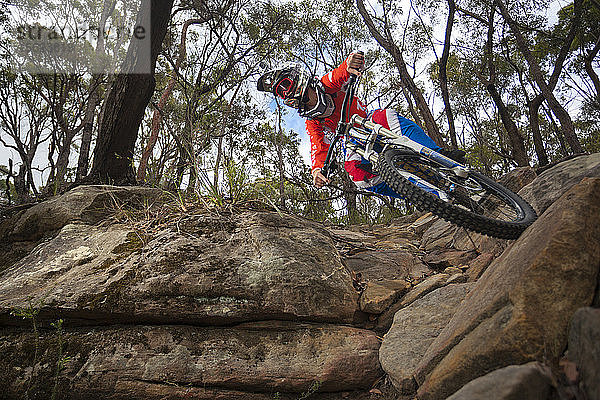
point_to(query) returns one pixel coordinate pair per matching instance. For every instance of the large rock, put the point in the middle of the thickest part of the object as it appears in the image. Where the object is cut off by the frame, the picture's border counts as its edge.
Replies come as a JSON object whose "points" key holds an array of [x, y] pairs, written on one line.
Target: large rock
{"points": [[584, 349], [131, 361], [554, 182], [385, 320], [387, 264], [532, 381], [414, 329], [22, 232], [137, 299], [520, 308], [205, 270], [518, 178], [378, 296], [87, 204], [440, 259]]}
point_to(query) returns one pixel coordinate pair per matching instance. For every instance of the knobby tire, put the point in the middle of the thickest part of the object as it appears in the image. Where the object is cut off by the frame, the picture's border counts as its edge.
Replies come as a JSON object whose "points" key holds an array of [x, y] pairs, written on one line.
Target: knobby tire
{"points": [[426, 201]]}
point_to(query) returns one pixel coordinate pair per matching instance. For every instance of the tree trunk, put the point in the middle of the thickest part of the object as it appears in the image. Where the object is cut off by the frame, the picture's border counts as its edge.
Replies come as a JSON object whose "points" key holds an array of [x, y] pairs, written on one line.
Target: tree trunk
{"points": [[62, 163], [444, 74], [564, 150], [218, 165], [411, 108], [9, 175], [349, 189], [590, 70], [537, 74], [64, 151], [534, 122], [62, 124], [22, 194], [86, 134], [429, 121], [519, 153], [127, 98], [108, 7], [280, 164]]}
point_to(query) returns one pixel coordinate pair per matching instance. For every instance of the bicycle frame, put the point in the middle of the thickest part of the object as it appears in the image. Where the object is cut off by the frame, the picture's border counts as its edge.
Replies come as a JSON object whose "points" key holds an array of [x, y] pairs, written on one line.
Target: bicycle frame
{"points": [[372, 134]]}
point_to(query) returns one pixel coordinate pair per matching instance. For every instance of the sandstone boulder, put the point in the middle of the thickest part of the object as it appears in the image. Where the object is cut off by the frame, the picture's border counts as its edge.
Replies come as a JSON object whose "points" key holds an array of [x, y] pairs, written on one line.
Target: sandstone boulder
{"points": [[379, 295], [137, 303], [265, 358], [414, 329], [551, 184], [87, 204], [532, 381], [387, 264], [478, 265], [385, 320], [520, 308], [22, 232], [440, 259], [518, 178], [584, 349], [206, 270]]}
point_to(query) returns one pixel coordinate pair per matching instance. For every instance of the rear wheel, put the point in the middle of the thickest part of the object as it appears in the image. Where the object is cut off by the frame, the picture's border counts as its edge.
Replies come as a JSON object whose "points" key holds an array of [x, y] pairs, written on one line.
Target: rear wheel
{"points": [[475, 202]]}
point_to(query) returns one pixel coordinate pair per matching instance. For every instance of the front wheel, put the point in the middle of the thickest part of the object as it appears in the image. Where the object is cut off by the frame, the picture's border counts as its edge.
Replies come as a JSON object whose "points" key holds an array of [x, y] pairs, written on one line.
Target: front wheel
{"points": [[475, 202]]}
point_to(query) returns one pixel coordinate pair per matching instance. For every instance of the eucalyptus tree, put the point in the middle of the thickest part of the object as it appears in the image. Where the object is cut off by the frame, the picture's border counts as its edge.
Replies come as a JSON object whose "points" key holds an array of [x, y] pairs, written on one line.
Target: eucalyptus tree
{"points": [[582, 63], [226, 43], [383, 26], [63, 47], [274, 153], [24, 121], [427, 19], [127, 97], [164, 98], [94, 95], [552, 46], [536, 71]]}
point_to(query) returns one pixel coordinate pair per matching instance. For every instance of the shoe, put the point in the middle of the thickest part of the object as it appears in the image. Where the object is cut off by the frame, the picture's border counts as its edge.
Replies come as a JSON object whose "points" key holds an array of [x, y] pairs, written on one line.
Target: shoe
{"points": [[454, 154]]}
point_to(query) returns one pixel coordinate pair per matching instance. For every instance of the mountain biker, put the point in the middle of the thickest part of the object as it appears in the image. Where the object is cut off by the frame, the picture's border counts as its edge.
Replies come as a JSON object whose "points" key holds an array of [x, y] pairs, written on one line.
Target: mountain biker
{"points": [[320, 102]]}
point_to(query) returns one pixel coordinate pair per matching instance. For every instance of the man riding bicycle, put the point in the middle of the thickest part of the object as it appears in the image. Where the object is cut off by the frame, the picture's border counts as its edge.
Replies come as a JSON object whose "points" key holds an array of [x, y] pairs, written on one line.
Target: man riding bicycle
{"points": [[320, 102]]}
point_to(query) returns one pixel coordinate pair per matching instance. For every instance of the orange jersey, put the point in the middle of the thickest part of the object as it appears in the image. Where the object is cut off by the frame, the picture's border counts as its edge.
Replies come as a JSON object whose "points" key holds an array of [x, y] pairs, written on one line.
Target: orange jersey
{"points": [[322, 130]]}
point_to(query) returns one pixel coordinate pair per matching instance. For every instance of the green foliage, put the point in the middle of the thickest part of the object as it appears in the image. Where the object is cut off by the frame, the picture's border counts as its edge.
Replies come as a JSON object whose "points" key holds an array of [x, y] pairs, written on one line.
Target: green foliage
{"points": [[4, 194], [588, 29], [590, 133]]}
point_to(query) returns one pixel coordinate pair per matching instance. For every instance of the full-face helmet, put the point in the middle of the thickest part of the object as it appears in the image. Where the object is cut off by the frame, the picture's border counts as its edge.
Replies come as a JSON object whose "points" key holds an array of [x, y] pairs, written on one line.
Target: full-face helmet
{"points": [[291, 84]]}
